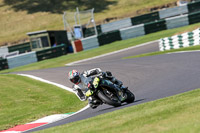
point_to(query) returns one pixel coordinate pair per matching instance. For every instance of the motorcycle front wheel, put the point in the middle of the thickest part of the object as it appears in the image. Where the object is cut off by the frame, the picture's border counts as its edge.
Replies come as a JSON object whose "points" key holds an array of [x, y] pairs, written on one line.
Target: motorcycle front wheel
{"points": [[109, 98], [130, 97]]}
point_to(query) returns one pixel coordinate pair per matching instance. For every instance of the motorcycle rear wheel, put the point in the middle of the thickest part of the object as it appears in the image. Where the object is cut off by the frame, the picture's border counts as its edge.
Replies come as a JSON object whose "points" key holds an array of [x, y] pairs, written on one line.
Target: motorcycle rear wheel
{"points": [[105, 97]]}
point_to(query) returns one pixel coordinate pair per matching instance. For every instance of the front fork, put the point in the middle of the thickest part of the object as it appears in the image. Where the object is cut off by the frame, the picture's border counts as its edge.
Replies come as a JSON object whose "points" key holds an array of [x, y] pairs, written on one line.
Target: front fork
{"points": [[116, 89]]}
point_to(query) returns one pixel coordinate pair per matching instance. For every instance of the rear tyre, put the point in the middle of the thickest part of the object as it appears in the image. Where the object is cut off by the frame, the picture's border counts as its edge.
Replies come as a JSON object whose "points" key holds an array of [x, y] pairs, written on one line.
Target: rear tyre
{"points": [[130, 96], [109, 98]]}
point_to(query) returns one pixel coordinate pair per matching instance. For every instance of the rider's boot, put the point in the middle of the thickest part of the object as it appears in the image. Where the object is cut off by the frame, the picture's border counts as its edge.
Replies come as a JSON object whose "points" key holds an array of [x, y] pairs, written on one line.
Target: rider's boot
{"points": [[93, 102]]}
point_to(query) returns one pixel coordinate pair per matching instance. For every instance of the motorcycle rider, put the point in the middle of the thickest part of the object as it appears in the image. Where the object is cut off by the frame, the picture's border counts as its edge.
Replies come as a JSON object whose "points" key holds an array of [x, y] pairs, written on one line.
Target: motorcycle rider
{"points": [[82, 86]]}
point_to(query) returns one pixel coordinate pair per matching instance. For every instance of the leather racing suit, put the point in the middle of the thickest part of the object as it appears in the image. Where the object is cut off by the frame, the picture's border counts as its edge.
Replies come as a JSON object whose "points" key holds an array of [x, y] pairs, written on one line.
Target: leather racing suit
{"points": [[81, 88]]}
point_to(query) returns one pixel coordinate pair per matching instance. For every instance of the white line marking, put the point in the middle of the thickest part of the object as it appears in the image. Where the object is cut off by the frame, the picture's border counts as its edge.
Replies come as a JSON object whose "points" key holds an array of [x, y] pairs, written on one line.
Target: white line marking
{"points": [[49, 82], [59, 85], [122, 50], [179, 52]]}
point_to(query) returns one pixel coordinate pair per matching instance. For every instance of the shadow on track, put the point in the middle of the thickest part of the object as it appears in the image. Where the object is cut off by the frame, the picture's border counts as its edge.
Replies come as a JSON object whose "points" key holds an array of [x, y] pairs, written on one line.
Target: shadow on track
{"points": [[123, 105]]}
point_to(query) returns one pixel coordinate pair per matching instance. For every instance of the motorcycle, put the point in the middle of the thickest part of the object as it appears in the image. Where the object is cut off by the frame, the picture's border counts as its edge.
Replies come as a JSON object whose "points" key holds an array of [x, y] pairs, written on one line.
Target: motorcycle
{"points": [[104, 91]]}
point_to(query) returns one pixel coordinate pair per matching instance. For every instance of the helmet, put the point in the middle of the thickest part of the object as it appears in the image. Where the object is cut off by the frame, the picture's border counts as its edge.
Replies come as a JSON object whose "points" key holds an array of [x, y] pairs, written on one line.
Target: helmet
{"points": [[74, 76]]}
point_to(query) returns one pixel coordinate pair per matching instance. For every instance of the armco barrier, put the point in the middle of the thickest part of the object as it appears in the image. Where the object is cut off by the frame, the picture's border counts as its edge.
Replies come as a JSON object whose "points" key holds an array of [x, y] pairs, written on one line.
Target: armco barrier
{"points": [[194, 6], [22, 59], [179, 41], [132, 32], [3, 64], [90, 42], [146, 18], [155, 26], [22, 48], [116, 25], [194, 17], [109, 37], [170, 12], [77, 46], [51, 52], [178, 21]]}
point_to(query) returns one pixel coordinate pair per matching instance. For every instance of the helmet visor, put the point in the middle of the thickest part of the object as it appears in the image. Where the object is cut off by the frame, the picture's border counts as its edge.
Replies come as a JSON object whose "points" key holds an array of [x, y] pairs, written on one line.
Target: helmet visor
{"points": [[75, 80]]}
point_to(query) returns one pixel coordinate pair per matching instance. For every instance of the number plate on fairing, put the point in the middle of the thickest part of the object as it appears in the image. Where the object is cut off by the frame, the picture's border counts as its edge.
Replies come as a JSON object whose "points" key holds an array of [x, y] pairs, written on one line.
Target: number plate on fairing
{"points": [[96, 82]]}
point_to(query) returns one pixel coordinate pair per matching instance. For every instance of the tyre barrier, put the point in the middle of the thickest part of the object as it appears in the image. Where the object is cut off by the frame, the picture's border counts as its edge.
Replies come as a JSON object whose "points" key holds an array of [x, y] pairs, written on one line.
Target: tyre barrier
{"points": [[175, 11], [132, 32], [179, 41], [32, 57], [176, 22], [90, 43], [22, 59], [121, 30], [3, 51], [116, 25]]}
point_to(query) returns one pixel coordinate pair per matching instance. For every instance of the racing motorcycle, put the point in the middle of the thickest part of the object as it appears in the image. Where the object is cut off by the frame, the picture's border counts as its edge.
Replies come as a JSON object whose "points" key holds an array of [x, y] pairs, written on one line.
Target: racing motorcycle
{"points": [[104, 91]]}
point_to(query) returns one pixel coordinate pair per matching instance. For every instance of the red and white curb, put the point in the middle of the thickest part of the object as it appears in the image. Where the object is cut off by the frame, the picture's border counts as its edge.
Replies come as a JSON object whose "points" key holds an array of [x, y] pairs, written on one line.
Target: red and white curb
{"points": [[37, 123], [46, 120]]}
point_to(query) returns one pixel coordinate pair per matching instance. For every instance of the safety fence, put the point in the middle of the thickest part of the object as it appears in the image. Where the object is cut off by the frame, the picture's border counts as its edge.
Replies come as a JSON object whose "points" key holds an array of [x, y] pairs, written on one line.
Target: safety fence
{"points": [[90, 43], [179, 41], [175, 11], [31, 57], [141, 25], [51, 52], [3, 64], [116, 25], [22, 59], [109, 37], [118, 30], [164, 14], [177, 21], [132, 32], [3, 51]]}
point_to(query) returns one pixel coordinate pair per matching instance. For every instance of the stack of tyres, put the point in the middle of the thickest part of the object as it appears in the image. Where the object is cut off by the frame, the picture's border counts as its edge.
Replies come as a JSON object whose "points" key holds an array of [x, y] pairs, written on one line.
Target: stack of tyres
{"points": [[51, 52], [22, 48], [109, 37], [155, 26], [145, 18], [194, 17], [3, 64], [194, 6]]}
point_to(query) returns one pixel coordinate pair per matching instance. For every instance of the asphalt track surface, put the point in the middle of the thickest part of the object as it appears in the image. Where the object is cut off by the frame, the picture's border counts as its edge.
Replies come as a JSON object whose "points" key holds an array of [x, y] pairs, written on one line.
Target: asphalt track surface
{"points": [[149, 78]]}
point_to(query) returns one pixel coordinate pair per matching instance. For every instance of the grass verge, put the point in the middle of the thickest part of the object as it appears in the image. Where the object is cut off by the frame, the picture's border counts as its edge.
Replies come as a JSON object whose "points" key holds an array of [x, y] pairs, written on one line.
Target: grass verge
{"points": [[192, 48], [175, 114], [61, 61], [23, 100], [20, 17]]}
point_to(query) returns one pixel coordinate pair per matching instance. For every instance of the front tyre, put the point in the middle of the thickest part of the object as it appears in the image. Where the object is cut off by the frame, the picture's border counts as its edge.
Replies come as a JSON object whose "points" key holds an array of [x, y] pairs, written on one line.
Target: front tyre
{"points": [[130, 96], [109, 98]]}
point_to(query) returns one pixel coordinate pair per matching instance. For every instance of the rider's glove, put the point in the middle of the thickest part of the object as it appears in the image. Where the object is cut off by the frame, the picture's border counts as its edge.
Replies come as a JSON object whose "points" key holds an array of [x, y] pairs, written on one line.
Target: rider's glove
{"points": [[104, 75]]}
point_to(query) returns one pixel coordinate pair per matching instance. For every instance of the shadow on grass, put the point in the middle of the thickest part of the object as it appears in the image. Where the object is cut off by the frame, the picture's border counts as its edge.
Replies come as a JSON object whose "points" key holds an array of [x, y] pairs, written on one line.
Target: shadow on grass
{"points": [[57, 6]]}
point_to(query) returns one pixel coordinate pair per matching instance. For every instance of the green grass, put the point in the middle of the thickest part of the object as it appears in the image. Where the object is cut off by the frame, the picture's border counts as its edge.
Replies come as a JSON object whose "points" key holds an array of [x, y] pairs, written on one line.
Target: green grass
{"points": [[61, 61], [24, 100], [20, 17], [175, 114], [191, 48]]}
